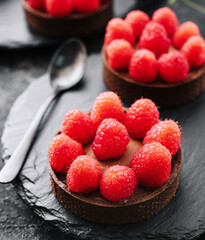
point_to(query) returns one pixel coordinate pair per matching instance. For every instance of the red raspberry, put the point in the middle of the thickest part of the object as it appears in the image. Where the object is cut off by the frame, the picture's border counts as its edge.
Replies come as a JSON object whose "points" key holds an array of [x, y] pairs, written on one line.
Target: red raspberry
{"points": [[143, 66], [118, 183], [84, 6], [107, 105], [37, 4], [137, 19], [152, 165], [166, 17], [194, 51], [119, 53], [140, 117], [79, 126], [167, 133], [173, 67], [63, 151], [111, 140], [184, 32], [154, 38], [59, 8], [119, 29], [83, 175]]}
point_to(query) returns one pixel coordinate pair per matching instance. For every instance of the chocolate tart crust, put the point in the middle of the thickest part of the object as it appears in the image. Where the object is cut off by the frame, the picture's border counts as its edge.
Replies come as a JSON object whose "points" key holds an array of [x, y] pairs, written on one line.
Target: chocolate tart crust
{"points": [[163, 94], [95, 208], [74, 24]]}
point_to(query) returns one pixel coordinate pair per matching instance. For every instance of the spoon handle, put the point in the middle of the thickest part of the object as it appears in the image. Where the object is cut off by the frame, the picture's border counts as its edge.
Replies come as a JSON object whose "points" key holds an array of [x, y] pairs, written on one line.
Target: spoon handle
{"points": [[14, 164]]}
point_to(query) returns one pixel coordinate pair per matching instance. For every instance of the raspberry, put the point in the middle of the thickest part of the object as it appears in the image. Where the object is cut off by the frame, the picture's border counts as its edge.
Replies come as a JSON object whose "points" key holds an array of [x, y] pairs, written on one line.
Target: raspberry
{"points": [[119, 29], [79, 126], [184, 32], [84, 6], [137, 19], [166, 17], [194, 51], [63, 151], [118, 183], [111, 140], [154, 38], [59, 8], [152, 165], [143, 66], [107, 105], [173, 67], [167, 133], [140, 117], [37, 4], [83, 175], [119, 53]]}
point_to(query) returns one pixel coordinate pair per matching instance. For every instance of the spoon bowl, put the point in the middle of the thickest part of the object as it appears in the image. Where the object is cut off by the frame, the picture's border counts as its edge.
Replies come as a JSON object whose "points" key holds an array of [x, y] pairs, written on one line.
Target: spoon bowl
{"points": [[67, 66]]}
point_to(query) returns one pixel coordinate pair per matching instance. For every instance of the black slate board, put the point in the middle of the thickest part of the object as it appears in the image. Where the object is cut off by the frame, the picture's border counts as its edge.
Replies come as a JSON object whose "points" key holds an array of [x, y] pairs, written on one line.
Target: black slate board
{"points": [[183, 218], [15, 33]]}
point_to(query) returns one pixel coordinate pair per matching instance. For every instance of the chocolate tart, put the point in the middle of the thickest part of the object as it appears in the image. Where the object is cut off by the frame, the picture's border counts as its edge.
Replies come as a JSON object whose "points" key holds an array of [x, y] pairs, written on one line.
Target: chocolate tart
{"points": [[74, 24], [163, 94], [95, 208]]}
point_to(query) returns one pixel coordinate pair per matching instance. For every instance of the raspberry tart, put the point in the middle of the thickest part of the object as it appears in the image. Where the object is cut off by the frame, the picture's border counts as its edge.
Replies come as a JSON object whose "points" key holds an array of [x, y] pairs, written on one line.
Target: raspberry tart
{"points": [[155, 58], [67, 18], [121, 170]]}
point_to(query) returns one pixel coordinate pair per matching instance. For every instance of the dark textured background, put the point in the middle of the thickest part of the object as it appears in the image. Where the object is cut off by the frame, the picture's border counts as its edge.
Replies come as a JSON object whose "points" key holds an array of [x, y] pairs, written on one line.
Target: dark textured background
{"points": [[17, 70]]}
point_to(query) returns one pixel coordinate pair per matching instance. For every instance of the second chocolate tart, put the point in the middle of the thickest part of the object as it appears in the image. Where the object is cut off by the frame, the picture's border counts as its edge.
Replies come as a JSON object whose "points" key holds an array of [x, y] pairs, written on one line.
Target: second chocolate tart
{"points": [[163, 94]]}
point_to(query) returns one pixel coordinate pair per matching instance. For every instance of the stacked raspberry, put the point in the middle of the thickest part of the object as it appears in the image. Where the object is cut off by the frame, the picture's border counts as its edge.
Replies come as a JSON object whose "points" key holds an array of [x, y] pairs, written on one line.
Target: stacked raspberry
{"points": [[60, 8], [143, 46], [108, 131]]}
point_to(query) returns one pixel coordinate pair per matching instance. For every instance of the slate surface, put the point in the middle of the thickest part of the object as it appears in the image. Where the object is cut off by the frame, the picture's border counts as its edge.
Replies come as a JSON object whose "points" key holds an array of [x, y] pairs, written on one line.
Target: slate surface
{"points": [[183, 218]]}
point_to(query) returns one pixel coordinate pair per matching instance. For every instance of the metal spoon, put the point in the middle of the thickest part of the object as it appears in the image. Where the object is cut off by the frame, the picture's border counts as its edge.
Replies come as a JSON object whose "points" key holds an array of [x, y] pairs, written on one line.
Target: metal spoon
{"points": [[66, 69]]}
